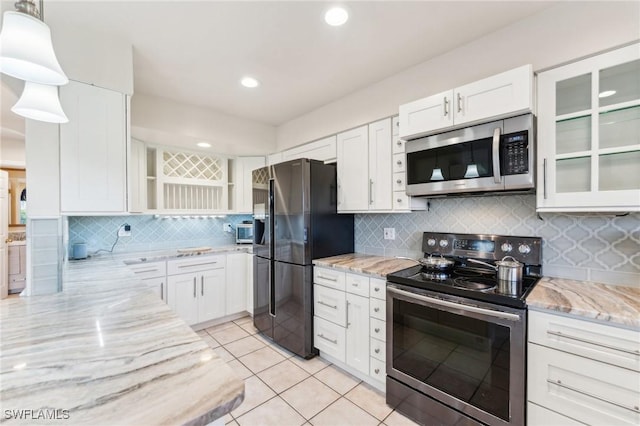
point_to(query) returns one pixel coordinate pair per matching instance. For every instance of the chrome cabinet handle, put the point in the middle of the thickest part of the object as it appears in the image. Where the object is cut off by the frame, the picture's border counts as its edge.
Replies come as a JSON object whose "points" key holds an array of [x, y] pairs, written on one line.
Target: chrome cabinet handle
{"points": [[142, 271], [399, 162], [202, 286], [320, 302], [377, 350], [591, 342], [327, 278], [376, 309], [399, 143], [334, 341], [377, 330], [162, 291], [446, 103], [399, 200], [399, 182], [544, 178], [558, 382], [376, 289], [459, 103], [497, 178], [377, 371], [348, 323], [370, 191], [197, 264], [194, 287]]}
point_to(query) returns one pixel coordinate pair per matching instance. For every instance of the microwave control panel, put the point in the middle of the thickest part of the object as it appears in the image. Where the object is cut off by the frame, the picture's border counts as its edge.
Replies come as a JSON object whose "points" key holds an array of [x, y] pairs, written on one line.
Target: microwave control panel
{"points": [[515, 153]]}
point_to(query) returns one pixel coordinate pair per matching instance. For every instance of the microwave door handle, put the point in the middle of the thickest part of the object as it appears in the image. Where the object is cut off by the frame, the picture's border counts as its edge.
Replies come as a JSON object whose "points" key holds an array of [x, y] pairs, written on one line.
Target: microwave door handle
{"points": [[497, 178]]}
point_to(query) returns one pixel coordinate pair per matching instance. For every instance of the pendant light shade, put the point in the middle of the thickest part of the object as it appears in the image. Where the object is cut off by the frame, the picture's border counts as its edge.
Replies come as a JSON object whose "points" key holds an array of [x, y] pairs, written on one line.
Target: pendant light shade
{"points": [[26, 51], [437, 174], [472, 171], [40, 102]]}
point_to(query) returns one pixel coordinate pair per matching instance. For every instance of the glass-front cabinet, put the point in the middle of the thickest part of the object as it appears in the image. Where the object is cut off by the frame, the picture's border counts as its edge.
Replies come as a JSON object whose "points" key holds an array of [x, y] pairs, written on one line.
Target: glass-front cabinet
{"points": [[589, 134]]}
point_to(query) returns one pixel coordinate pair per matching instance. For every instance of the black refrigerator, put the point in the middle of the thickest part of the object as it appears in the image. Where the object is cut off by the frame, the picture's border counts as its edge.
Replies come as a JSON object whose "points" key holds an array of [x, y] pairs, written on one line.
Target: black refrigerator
{"points": [[295, 221]]}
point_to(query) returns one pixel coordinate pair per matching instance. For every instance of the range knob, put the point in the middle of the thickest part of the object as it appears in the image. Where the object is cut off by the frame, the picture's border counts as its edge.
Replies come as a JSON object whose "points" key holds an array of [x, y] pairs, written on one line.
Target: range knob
{"points": [[444, 243], [506, 247], [524, 248], [431, 242]]}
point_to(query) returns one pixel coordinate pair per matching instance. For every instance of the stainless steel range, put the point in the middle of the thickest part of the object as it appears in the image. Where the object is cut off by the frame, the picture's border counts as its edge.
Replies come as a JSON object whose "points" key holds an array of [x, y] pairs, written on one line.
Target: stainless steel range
{"points": [[456, 335]]}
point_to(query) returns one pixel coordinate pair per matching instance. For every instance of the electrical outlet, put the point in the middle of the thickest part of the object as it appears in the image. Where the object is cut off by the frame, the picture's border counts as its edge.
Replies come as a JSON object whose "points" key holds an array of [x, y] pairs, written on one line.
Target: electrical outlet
{"points": [[124, 231], [226, 227], [389, 233]]}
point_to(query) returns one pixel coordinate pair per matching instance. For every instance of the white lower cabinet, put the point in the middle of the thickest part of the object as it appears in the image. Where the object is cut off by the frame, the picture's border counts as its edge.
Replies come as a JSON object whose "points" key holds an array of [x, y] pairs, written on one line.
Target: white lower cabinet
{"points": [[198, 297], [582, 371], [153, 275], [349, 322]]}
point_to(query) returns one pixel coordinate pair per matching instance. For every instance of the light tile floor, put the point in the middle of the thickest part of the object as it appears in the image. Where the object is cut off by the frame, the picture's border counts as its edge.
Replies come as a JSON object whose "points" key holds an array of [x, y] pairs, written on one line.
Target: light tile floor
{"points": [[282, 389]]}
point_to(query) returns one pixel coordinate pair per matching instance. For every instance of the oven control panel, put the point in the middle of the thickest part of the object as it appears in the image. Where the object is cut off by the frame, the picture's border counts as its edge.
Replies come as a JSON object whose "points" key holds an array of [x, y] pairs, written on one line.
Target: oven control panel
{"points": [[527, 250]]}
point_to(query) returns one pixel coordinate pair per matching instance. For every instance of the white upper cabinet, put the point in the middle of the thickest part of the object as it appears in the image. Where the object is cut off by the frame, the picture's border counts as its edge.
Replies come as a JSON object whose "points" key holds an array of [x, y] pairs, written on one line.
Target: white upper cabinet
{"points": [[243, 188], [501, 95], [353, 173], [138, 177], [93, 147], [380, 165], [322, 150], [589, 134]]}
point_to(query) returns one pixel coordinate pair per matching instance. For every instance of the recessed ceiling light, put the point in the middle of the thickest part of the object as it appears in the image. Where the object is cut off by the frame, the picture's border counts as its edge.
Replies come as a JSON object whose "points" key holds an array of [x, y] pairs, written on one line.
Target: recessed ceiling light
{"points": [[336, 16], [607, 93], [204, 145], [249, 82]]}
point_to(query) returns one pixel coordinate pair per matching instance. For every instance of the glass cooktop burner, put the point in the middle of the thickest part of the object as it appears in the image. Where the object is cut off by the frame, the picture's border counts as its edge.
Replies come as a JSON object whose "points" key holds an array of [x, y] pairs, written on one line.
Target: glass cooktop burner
{"points": [[436, 276], [473, 284]]}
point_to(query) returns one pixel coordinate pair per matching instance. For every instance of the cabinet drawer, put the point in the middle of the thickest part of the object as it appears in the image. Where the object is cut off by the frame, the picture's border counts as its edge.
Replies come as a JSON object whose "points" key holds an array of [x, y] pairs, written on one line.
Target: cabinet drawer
{"points": [[377, 329], [378, 309], [329, 338], [583, 389], [377, 288], [540, 416], [330, 304], [377, 369], [398, 145], [357, 284], [601, 342], [400, 200], [329, 277], [399, 180], [195, 264], [398, 163], [149, 270], [378, 349]]}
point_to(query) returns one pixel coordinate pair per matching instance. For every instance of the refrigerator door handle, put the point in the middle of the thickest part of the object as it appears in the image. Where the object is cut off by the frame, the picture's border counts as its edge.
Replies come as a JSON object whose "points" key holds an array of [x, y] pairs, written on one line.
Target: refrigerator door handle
{"points": [[306, 233], [272, 312]]}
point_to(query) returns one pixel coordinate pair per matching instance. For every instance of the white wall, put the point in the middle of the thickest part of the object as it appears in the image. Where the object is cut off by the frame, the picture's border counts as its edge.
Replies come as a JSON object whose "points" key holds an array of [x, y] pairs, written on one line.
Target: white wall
{"points": [[12, 153], [165, 122], [559, 34], [92, 57]]}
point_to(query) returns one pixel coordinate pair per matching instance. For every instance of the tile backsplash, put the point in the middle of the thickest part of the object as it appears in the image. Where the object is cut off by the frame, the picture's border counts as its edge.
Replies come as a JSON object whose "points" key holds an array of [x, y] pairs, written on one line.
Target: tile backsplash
{"points": [[149, 232], [592, 247]]}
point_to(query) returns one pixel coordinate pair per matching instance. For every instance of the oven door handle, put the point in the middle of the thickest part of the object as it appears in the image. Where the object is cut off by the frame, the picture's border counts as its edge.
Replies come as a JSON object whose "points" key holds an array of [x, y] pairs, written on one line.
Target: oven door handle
{"points": [[463, 307], [497, 176]]}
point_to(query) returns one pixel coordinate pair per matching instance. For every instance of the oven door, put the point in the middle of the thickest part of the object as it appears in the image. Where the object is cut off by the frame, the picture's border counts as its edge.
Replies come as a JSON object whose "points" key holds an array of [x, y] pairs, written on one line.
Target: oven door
{"points": [[467, 355]]}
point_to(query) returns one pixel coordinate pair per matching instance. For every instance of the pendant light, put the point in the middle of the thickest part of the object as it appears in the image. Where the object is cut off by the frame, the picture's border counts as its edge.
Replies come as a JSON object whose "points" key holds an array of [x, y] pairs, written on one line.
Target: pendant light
{"points": [[40, 102], [26, 50]]}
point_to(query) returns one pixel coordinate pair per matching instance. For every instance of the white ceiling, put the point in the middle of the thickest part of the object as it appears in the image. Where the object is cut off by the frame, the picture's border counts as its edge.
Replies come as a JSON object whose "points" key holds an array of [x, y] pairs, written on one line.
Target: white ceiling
{"points": [[195, 52]]}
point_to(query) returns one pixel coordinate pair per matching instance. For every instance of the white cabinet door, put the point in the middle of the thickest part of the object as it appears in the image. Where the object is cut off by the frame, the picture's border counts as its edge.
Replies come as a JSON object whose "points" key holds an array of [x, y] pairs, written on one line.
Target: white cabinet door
{"points": [[183, 296], [507, 93], [353, 173], [138, 177], [588, 143], [236, 287], [357, 332], [211, 296], [329, 304], [158, 286], [93, 149], [380, 174], [322, 150], [426, 115], [249, 283], [243, 184]]}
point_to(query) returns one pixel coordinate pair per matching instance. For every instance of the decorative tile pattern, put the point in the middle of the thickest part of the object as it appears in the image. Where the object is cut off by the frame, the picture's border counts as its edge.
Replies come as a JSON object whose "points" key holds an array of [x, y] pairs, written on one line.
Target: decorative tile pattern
{"points": [[151, 233], [574, 245]]}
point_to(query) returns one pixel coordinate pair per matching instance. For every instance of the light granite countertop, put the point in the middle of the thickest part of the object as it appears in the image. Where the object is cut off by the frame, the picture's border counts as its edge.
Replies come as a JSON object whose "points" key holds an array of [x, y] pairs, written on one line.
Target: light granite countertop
{"points": [[110, 352], [617, 305], [365, 263]]}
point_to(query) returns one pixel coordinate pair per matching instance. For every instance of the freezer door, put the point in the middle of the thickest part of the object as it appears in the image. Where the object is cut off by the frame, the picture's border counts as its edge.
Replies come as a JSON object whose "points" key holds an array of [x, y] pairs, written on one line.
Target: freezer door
{"points": [[262, 211], [262, 318], [291, 212], [293, 327]]}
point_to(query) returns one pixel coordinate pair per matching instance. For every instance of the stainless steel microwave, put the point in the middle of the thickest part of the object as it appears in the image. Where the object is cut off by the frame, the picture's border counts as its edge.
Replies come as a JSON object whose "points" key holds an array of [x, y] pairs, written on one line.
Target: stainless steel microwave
{"points": [[491, 157], [244, 233]]}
